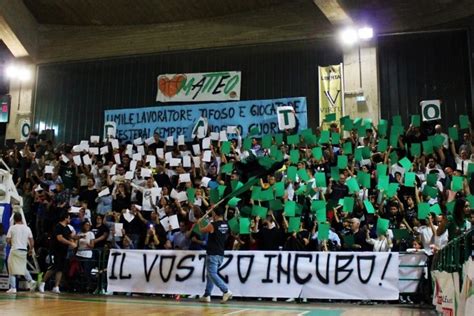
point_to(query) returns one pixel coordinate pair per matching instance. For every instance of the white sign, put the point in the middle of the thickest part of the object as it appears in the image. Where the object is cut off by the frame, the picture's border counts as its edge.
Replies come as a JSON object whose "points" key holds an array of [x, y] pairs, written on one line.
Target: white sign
{"points": [[431, 110], [197, 87], [286, 117], [25, 127], [110, 129], [324, 275]]}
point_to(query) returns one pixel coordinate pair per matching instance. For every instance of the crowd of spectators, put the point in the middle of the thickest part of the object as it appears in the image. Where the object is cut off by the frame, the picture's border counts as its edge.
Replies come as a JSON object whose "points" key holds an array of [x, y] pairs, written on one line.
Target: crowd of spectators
{"points": [[350, 187]]}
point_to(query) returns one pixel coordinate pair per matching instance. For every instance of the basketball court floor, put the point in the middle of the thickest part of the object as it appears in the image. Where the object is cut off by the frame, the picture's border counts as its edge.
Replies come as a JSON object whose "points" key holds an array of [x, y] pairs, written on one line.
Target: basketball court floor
{"points": [[25, 303]]}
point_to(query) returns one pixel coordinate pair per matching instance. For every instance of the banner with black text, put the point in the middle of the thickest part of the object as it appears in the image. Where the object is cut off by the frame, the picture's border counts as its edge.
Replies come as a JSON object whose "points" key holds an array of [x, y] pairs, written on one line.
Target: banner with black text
{"points": [[324, 275]]}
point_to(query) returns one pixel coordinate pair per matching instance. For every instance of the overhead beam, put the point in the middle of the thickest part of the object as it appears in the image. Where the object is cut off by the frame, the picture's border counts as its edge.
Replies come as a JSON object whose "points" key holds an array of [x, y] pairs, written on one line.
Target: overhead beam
{"points": [[18, 29], [333, 12]]}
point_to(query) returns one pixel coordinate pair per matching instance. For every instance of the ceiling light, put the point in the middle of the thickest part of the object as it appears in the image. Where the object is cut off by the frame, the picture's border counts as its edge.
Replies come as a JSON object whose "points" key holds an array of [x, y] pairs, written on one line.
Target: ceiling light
{"points": [[348, 36], [366, 33]]}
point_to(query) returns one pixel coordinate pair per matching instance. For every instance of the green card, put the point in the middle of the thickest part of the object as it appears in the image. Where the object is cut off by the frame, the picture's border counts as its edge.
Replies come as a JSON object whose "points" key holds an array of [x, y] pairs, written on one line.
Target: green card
{"points": [[348, 241], [352, 185], [214, 195], [279, 189], [323, 231], [310, 139], [438, 141], [234, 225], [221, 189], [259, 211], [335, 173], [324, 139], [294, 224], [401, 234], [342, 161], [290, 208], [348, 125], [382, 169], [303, 174], [406, 163], [321, 215], [278, 138], [298, 209], [435, 208], [429, 191], [227, 168], [427, 147], [366, 152], [364, 179], [470, 199], [301, 190], [317, 205], [335, 138], [331, 117], [292, 173], [358, 154], [415, 120], [235, 185], [343, 119], [276, 153], [393, 157], [266, 195], [254, 131], [244, 226], [357, 122], [317, 153], [275, 205], [369, 207], [457, 183], [397, 120], [382, 127], [347, 148], [382, 226], [383, 182], [415, 149], [191, 193], [394, 140], [431, 179], [246, 211], [382, 146], [293, 139], [423, 210], [233, 201], [453, 133], [266, 162], [256, 193], [470, 170], [247, 143], [225, 147], [392, 189], [463, 121], [294, 156], [348, 204], [267, 141], [410, 179], [320, 180]]}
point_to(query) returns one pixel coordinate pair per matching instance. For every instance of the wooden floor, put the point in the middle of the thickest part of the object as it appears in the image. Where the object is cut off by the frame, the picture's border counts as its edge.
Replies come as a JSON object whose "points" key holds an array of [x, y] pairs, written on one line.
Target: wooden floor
{"points": [[25, 303]]}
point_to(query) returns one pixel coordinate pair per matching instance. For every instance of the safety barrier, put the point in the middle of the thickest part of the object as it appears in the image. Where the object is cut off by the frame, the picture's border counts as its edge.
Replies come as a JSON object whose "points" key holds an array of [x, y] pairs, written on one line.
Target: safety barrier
{"points": [[457, 251]]}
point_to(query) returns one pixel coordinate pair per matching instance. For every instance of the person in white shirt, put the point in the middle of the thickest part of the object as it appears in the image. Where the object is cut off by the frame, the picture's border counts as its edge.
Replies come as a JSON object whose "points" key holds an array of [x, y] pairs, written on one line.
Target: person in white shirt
{"points": [[462, 160], [383, 243], [20, 238], [84, 249]]}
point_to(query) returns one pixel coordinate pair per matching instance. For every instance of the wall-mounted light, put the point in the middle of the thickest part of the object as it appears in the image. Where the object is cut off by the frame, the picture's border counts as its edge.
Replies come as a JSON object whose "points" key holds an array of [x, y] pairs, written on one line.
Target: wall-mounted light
{"points": [[350, 36], [18, 72]]}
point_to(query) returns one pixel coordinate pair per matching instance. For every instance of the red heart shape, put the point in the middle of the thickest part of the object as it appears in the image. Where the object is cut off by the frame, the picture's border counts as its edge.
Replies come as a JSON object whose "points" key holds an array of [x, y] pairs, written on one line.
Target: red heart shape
{"points": [[170, 87]]}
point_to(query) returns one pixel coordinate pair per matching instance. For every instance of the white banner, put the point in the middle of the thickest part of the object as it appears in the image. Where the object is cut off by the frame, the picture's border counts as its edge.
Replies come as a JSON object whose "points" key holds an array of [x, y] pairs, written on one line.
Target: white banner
{"points": [[324, 275], [197, 87], [412, 266]]}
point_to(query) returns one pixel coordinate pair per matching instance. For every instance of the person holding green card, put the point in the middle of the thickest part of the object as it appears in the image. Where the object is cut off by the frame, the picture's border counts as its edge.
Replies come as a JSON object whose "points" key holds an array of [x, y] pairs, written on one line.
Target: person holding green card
{"points": [[458, 222], [383, 243]]}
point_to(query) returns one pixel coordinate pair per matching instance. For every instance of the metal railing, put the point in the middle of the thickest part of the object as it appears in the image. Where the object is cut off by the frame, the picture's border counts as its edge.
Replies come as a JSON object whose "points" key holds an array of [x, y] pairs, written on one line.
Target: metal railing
{"points": [[457, 251]]}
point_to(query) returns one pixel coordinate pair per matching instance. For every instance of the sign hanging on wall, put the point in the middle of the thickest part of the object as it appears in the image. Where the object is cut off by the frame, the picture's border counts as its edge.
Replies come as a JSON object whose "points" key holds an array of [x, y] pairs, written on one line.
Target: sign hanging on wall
{"points": [[197, 87], [331, 92], [324, 275], [181, 119], [25, 128], [431, 110], [5, 101]]}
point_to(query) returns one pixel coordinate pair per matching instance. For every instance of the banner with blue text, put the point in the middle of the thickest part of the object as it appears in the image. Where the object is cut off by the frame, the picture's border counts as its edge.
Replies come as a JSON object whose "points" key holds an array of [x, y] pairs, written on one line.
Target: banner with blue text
{"points": [[179, 120], [324, 275]]}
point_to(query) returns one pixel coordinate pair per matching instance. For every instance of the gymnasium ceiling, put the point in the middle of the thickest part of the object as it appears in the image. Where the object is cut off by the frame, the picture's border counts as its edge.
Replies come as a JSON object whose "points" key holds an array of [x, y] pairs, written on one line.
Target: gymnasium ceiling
{"points": [[386, 15]]}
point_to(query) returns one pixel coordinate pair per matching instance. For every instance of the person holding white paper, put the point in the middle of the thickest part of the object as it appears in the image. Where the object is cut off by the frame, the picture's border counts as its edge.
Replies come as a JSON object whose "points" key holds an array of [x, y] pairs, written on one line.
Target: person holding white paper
{"points": [[148, 204]]}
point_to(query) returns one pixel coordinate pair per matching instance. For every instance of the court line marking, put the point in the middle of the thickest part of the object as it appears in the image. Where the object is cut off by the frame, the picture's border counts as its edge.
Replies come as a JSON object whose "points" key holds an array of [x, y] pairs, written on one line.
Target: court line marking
{"points": [[236, 312]]}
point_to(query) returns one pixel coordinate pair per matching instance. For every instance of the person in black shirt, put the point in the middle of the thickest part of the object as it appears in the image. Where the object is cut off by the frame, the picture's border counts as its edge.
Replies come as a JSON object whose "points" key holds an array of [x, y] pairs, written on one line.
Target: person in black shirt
{"points": [[101, 232], [61, 241], [218, 231]]}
